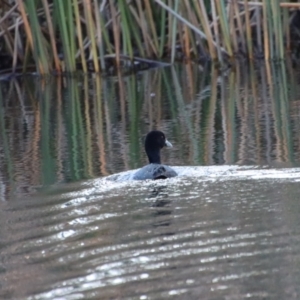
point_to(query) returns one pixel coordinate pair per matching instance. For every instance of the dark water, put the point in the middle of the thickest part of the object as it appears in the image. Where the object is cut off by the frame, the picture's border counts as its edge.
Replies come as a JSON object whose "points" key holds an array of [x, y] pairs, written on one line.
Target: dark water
{"points": [[227, 228]]}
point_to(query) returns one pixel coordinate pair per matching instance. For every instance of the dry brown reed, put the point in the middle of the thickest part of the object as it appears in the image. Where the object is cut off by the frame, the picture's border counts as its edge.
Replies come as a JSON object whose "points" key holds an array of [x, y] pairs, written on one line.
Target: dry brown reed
{"points": [[94, 36]]}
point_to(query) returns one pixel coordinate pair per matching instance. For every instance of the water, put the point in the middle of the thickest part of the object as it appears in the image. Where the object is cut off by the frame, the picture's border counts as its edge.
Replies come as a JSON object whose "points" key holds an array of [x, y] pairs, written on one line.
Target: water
{"points": [[221, 237], [227, 228]]}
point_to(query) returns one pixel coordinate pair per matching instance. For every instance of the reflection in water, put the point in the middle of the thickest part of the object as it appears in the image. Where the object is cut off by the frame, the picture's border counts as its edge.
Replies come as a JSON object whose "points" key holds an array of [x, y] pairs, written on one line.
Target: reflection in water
{"points": [[162, 205], [66, 129]]}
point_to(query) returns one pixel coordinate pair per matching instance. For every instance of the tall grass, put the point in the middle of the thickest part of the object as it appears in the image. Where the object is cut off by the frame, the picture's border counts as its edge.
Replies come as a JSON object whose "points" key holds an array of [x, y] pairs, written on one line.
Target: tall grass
{"points": [[94, 35]]}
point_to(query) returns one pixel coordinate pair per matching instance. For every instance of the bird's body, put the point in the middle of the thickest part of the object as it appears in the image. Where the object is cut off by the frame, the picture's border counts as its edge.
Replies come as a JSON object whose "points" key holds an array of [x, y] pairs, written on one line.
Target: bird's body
{"points": [[154, 171]]}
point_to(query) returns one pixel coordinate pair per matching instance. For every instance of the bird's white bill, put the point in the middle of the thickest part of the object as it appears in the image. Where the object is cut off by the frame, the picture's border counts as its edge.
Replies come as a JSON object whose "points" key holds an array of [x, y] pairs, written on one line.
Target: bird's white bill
{"points": [[168, 144]]}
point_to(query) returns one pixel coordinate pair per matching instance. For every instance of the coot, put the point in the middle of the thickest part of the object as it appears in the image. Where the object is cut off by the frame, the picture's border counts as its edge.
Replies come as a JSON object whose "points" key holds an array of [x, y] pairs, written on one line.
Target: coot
{"points": [[155, 140]]}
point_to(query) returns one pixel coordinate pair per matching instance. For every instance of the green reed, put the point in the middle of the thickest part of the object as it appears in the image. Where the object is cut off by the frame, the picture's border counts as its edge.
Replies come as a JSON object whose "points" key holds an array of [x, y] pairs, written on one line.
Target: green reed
{"points": [[93, 35]]}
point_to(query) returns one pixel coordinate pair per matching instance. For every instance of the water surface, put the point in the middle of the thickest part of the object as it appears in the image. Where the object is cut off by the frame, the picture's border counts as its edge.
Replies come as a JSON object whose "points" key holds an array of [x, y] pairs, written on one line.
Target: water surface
{"points": [[227, 228]]}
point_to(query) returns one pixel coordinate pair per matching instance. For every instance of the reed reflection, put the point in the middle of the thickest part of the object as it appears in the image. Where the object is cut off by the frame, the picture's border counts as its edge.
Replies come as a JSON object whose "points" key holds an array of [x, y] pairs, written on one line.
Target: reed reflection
{"points": [[67, 129]]}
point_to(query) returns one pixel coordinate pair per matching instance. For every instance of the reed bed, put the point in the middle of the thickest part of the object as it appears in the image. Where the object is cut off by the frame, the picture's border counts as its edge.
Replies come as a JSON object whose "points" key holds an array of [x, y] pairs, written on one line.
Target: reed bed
{"points": [[94, 35], [241, 117]]}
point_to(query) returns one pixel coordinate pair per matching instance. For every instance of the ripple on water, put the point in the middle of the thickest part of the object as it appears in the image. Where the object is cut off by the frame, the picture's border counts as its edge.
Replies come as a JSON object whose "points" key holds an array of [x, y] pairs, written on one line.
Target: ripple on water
{"points": [[226, 233]]}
